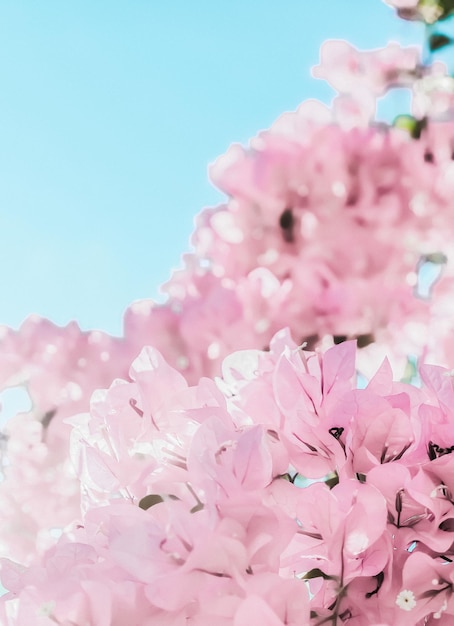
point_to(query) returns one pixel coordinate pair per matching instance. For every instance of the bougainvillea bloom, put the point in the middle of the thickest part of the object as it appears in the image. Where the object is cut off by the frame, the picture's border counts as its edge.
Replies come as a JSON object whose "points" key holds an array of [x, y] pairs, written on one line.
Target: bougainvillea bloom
{"points": [[238, 473], [202, 489]]}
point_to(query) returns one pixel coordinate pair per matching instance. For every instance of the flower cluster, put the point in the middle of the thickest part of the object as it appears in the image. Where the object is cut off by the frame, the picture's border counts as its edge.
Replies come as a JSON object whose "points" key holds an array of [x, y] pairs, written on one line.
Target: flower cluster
{"points": [[278, 253], [428, 11], [230, 477], [195, 511], [60, 368]]}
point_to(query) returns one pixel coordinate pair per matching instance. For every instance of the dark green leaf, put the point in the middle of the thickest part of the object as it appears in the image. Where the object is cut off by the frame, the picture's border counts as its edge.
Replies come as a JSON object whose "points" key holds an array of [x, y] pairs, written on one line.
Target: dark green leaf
{"points": [[332, 481], [438, 40], [364, 340], [317, 573], [447, 7]]}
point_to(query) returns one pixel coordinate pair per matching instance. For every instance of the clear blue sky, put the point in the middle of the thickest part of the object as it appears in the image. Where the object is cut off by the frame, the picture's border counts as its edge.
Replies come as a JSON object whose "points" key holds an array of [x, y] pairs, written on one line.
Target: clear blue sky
{"points": [[110, 112]]}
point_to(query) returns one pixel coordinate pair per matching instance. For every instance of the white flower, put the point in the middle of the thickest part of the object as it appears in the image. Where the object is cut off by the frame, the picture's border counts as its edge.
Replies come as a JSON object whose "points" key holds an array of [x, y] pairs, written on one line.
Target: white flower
{"points": [[406, 600]]}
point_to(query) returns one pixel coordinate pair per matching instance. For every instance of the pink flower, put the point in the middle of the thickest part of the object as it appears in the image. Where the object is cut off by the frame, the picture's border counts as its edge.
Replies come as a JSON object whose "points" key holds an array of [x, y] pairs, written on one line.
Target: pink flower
{"points": [[428, 12], [347, 69]]}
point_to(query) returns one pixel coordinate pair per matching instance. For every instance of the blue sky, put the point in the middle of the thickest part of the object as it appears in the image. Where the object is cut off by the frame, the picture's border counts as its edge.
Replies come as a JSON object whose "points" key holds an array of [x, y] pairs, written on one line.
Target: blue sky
{"points": [[111, 111]]}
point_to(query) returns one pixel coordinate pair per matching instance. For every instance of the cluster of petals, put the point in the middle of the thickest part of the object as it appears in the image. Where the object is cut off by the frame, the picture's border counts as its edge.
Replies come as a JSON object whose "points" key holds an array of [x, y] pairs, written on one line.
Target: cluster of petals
{"points": [[59, 368], [429, 11], [347, 69], [278, 253], [280, 493]]}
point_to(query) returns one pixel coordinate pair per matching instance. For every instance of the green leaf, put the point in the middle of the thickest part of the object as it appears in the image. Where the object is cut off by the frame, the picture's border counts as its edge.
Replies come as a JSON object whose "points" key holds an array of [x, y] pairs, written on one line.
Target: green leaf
{"points": [[410, 124], [438, 40], [410, 372], [332, 480], [447, 7], [439, 258]]}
